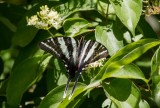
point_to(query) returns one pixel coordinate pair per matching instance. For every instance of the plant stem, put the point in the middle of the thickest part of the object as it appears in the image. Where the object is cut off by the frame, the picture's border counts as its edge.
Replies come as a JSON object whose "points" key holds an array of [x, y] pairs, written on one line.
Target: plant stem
{"points": [[50, 33]]}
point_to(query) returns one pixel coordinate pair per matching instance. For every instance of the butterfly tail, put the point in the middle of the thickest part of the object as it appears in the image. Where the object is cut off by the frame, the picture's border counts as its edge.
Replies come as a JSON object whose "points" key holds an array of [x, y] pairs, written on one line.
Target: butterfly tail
{"points": [[74, 86], [66, 88]]}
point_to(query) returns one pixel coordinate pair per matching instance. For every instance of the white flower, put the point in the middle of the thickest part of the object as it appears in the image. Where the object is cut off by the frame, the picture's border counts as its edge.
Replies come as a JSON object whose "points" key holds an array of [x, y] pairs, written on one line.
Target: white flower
{"points": [[53, 14], [44, 11], [98, 63], [42, 25], [33, 20], [54, 20], [56, 25], [95, 64], [45, 19]]}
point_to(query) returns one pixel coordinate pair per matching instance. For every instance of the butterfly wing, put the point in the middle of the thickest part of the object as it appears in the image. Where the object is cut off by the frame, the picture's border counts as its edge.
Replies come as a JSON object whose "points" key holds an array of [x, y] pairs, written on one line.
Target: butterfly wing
{"points": [[91, 51], [76, 54], [88, 52], [66, 49]]}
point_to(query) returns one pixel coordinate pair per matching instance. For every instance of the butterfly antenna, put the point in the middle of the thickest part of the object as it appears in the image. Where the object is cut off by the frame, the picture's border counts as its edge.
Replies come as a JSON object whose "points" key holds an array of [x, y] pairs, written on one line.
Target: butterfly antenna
{"points": [[74, 86], [65, 91]]}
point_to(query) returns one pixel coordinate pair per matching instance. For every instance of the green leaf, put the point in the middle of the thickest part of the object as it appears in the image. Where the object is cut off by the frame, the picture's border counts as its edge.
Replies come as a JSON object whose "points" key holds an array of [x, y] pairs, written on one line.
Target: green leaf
{"points": [[72, 6], [156, 89], [8, 24], [23, 76], [155, 67], [155, 75], [75, 26], [120, 89], [107, 103], [145, 28], [123, 57], [24, 34], [54, 99], [5, 37], [79, 97], [103, 7], [127, 37], [122, 92], [106, 10], [143, 104], [108, 39], [129, 12], [1, 66], [32, 49], [128, 71], [56, 74]]}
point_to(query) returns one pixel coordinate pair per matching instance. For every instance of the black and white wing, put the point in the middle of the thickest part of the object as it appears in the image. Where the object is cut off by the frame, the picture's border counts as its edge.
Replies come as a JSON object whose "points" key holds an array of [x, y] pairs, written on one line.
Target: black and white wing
{"points": [[76, 54], [88, 52], [64, 48], [91, 51]]}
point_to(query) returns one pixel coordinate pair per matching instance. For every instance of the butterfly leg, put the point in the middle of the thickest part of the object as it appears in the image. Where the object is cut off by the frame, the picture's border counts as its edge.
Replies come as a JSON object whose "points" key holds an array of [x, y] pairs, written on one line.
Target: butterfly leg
{"points": [[74, 86], [65, 91]]}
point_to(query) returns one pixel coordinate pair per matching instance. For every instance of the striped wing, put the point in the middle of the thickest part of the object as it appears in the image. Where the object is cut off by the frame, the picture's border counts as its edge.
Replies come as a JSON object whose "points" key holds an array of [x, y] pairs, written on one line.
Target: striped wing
{"points": [[64, 48], [91, 51], [76, 54]]}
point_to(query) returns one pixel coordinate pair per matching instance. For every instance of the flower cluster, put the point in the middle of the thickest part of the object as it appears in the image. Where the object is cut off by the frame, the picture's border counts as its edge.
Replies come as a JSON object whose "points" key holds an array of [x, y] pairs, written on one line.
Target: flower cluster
{"points": [[98, 63], [45, 19]]}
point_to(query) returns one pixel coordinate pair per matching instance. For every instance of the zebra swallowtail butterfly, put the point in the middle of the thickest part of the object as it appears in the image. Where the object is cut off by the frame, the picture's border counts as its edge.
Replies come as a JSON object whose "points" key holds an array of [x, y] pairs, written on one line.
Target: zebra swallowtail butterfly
{"points": [[76, 55]]}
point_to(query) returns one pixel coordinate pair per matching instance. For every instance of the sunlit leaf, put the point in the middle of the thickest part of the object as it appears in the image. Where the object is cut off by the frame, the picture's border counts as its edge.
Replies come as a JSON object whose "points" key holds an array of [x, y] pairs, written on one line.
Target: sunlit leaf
{"points": [[73, 6], [125, 56], [54, 99], [128, 11], [155, 67], [128, 71], [108, 39], [155, 75], [75, 26], [156, 89], [143, 104]]}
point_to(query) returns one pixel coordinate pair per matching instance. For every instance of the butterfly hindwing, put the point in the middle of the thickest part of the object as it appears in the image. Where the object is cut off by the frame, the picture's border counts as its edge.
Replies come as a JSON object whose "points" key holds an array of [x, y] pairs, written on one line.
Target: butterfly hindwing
{"points": [[99, 53], [91, 51]]}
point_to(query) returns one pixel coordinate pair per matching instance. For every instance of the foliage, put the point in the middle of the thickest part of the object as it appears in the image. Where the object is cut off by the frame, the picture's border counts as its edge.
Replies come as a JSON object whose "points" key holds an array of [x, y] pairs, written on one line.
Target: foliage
{"points": [[129, 78]]}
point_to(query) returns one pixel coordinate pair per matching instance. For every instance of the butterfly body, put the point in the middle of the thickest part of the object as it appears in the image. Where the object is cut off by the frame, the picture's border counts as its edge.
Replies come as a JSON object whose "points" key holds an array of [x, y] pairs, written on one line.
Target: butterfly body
{"points": [[76, 54]]}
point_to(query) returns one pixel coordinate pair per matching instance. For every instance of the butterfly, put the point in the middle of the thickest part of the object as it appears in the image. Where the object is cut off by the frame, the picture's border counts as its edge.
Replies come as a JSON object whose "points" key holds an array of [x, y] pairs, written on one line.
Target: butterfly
{"points": [[76, 55]]}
